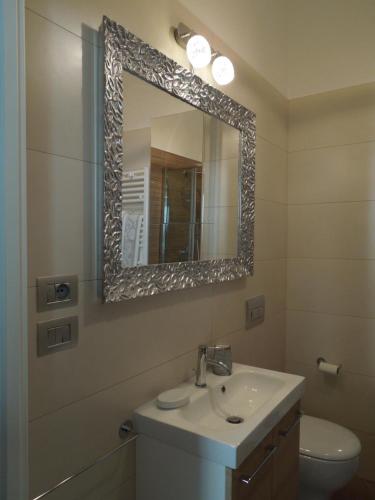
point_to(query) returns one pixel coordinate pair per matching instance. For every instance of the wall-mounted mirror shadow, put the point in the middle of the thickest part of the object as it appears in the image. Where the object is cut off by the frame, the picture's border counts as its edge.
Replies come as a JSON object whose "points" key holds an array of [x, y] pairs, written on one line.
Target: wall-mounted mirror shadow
{"points": [[180, 186]]}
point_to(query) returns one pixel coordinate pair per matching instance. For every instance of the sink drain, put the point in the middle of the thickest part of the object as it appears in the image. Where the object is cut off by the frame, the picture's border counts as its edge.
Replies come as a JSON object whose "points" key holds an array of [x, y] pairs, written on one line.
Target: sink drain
{"points": [[235, 420]]}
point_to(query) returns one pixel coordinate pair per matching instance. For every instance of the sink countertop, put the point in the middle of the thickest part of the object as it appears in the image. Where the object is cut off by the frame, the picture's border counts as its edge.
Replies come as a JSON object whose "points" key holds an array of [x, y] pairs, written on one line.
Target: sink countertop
{"points": [[260, 397]]}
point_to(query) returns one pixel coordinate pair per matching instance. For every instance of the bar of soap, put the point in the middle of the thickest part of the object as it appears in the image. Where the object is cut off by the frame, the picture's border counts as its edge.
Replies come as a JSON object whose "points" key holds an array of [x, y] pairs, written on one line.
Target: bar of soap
{"points": [[174, 398]]}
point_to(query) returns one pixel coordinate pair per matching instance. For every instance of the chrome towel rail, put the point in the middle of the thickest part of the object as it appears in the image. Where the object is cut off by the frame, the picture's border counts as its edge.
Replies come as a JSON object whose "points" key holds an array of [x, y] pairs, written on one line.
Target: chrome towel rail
{"points": [[126, 432], [271, 450]]}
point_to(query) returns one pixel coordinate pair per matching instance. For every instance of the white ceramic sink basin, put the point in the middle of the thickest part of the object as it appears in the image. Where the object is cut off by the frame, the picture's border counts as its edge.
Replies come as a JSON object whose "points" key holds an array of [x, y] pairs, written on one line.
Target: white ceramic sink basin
{"points": [[240, 395], [259, 397]]}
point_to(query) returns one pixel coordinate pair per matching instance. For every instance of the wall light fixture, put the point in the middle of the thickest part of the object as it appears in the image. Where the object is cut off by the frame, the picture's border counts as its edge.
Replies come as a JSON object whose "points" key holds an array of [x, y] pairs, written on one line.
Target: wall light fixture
{"points": [[200, 54], [198, 51], [222, 70]]}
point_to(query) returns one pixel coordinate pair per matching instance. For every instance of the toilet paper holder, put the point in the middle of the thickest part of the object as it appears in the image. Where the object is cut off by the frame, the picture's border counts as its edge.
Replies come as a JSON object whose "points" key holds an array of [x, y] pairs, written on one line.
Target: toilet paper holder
{"points": [[329, 368]]}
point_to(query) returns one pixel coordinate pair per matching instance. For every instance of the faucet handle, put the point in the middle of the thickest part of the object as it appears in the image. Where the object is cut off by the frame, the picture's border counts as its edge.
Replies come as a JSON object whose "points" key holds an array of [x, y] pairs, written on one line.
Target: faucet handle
{"points": [[222, 353], [211, 349]]}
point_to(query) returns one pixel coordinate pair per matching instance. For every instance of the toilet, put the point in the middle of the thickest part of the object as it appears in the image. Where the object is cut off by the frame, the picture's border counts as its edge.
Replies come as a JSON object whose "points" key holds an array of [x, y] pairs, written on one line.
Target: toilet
{"points": [[329, 457]]}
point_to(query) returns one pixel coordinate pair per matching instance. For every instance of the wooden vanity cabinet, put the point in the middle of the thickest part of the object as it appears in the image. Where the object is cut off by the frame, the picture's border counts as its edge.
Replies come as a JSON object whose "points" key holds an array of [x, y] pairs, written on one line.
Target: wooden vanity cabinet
{"points": [[270, 472], [165, 472]]}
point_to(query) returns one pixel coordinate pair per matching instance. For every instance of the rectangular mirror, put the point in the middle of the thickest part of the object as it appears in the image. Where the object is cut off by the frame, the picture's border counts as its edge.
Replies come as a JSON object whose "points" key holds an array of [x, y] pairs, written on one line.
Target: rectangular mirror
{"points": [[179, 175], [180, 180]]}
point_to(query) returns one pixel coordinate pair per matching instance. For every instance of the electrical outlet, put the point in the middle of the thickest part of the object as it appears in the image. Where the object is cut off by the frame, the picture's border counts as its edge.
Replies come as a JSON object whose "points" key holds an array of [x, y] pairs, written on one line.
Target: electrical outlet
{"points": [[255, 311], [54, 292]]}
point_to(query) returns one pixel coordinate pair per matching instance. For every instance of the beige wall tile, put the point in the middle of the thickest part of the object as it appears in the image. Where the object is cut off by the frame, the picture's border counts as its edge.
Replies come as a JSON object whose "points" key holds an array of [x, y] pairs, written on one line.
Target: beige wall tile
{"points": [[342, 173], [64, 441], [61, 216], [228, 302], [344, 399], [270, 230], [271, 180], [116, 342], [107, 480], [262, 345], [60, 91], [367, 458], [334, 118], [75, 15], [268, 343], [332, 286], [339, 339], [332, 230], [241, 343], [270, 280], [271, 110], [228, 307]]}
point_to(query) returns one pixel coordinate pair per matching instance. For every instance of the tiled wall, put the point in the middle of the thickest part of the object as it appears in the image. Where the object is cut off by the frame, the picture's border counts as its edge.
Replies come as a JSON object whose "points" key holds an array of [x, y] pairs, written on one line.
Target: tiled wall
{"points": [[127, 352], [331, 252]]}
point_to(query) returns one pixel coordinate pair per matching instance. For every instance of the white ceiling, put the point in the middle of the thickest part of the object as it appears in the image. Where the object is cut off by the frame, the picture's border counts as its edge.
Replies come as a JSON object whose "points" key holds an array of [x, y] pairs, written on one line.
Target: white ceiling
{"points": [[300, 46], [331, 45], [254, 29]]}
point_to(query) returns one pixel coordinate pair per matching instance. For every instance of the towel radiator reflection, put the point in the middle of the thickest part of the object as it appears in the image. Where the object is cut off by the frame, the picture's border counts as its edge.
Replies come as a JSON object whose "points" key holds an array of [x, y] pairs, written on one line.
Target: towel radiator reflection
{"points": [[135, 202]]}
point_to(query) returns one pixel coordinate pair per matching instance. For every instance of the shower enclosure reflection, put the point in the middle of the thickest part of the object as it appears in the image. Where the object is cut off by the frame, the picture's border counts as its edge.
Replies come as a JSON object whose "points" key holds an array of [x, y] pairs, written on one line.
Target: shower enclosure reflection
{"points": [[180, 180], [181, 215]]}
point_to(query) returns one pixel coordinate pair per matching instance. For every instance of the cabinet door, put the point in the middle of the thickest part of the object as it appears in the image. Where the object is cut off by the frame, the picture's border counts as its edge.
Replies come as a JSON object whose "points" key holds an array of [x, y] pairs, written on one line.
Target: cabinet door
{"points": [[286, 459], [260, 486]]}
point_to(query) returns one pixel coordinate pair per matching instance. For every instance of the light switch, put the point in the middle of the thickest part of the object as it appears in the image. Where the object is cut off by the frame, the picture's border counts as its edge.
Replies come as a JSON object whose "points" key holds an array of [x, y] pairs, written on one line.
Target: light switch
{"points": [[57, 335], [59, 339], [64, 333], [51, 334], [255, 311], [51, 293]]}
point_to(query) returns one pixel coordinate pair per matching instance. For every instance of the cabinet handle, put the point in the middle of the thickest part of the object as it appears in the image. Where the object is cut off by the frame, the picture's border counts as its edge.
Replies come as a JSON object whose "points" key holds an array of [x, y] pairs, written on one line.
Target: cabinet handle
{"points": [[292, 426], [247, 479]]}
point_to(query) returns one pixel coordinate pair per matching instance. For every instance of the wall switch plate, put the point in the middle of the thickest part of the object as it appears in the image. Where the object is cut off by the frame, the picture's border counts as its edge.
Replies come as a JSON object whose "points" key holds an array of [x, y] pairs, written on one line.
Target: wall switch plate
{"points": [[54, 292], [255, 311], [57, 335]]}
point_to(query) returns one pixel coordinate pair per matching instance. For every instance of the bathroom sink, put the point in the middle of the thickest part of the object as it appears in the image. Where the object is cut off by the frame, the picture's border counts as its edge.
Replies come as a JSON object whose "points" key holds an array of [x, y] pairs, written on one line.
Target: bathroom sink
{"points": [[240, 395], [224, 421]]}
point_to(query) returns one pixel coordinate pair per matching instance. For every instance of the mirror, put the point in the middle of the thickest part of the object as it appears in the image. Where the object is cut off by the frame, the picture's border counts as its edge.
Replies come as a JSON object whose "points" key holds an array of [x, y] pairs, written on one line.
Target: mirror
{"points": [[180, 184], [179, 175]]}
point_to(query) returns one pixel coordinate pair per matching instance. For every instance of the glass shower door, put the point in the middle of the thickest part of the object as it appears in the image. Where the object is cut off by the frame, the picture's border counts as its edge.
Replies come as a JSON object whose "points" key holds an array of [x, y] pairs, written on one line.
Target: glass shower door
{"points": [[181, 214]]}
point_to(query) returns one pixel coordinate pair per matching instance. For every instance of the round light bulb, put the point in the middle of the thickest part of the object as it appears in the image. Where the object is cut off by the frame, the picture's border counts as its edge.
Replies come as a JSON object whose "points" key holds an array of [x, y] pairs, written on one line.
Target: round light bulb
{"points": [[222, 70], [198, 51]]}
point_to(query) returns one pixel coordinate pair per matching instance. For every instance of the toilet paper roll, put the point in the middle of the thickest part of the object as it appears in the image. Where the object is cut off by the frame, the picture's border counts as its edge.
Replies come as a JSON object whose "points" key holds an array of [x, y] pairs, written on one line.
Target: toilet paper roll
{"points": [[329, 368]]}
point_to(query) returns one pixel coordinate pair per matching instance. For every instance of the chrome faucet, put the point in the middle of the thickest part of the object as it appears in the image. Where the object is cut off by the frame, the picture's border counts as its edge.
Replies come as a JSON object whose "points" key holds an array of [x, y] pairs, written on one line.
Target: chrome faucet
{"points": [[206, 358]]}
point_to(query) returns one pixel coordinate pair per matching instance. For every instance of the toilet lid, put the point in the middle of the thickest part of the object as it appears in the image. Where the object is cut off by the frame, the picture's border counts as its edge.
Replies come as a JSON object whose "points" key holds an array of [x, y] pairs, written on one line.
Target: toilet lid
{"points": [[326, 440]]}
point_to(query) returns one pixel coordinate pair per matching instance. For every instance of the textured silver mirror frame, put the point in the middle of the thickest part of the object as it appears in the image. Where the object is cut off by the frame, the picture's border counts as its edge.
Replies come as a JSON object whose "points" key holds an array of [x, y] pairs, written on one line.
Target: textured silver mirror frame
{"points": [[124, 51]]}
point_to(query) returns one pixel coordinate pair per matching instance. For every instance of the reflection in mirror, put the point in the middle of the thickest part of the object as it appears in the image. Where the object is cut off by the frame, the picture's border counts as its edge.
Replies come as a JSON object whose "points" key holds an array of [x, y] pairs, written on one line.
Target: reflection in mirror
{"points": [[180, 186]]}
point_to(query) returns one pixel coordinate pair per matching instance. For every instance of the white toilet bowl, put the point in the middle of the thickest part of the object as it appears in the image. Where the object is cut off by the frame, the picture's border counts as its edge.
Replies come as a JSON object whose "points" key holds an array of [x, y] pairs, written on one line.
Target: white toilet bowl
{"points": [[329, 457]]}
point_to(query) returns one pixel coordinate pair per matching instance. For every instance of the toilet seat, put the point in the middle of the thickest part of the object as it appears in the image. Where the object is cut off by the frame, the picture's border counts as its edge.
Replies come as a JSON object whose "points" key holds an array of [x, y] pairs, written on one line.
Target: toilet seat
{"points": [[324, 440]]}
